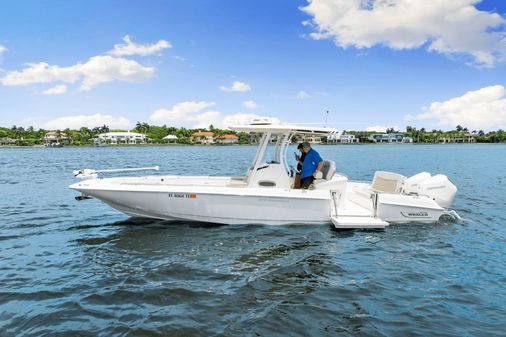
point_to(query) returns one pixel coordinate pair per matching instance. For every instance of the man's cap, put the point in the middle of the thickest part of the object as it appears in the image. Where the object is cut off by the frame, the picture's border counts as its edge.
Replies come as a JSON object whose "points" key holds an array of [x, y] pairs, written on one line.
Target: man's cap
{"points": [[299, 147], [305, 144]]}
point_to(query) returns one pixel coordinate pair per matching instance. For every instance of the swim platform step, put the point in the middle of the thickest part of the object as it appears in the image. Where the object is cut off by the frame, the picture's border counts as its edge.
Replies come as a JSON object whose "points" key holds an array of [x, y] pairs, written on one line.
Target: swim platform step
{"points": [[356, 222]]}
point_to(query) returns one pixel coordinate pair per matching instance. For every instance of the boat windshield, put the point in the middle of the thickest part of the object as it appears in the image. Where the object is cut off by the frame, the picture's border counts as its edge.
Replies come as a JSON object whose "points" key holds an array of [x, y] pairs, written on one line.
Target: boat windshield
{"points": [[272, 152]]}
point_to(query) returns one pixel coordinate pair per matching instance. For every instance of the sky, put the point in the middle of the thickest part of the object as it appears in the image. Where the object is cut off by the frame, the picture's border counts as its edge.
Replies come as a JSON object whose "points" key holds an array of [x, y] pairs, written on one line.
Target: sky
{"points": [[348, 64]]}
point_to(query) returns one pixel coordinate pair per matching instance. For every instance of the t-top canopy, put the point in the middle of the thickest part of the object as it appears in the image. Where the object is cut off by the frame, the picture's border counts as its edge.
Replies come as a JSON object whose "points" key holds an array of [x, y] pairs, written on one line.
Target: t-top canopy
{"points": [[285, 128]]}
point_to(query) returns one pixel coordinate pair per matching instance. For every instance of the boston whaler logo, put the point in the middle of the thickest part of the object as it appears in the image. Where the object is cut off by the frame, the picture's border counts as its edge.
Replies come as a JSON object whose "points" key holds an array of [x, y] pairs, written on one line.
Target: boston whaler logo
{"points": [[182, 195], [419, 214]]}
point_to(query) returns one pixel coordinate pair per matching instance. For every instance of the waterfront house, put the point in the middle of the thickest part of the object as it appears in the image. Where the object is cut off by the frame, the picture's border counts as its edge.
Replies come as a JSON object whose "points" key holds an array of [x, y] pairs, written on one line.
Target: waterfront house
{"points": [[56, 138], [312, 139], [227, 139], [273, 139], [120, 138], [170, 138], [348, 139], [203, 137], [254, 138], [467, 138], [386, 137], [7, 141], [334, 138]]}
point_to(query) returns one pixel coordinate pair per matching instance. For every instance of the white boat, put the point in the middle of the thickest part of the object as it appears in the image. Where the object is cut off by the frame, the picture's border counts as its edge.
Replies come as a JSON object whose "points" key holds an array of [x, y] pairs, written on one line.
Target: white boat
{"points": [[264, 195]]}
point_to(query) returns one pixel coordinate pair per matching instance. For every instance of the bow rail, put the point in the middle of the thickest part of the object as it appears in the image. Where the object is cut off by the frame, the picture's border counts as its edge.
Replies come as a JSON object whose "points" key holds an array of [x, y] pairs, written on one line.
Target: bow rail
{"points": [[92, 174]]}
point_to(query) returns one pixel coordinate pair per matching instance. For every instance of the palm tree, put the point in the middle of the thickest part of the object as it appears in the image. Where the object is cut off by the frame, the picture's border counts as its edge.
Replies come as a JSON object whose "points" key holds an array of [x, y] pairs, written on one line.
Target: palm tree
{"points": [[14, 129], [422, 133], [58, 135], [138, 126], [67, 133], [142, 127]]}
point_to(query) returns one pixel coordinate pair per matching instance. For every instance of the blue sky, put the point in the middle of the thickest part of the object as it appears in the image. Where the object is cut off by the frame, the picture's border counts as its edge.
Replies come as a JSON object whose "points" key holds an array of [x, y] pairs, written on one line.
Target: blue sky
{"points": [[372, 64]]}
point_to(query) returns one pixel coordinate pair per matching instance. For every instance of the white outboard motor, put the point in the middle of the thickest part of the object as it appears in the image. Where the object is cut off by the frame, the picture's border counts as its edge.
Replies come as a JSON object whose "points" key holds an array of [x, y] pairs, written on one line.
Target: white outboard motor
{"points": [[438, 187], [411, 183]]}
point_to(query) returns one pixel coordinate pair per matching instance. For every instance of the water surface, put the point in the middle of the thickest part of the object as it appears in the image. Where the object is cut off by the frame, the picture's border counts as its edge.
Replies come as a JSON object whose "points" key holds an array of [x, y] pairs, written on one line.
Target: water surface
{"points": [[81, 268]]}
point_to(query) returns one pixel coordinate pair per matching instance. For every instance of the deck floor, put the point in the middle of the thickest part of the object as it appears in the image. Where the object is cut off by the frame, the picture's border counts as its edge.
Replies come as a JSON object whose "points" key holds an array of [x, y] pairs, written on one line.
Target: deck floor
{"points": [[350, 208]]}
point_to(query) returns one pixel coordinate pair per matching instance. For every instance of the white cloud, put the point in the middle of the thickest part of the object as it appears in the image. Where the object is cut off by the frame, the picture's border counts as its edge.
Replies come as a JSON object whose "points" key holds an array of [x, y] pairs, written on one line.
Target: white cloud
{"points": [[195, 115], [96, 70], [303, 95], [56, 90], [203, 120], [236, 86], [250, 104], [380, 128], [131, 48], [100, 69], [481, 109], [179, 58], [3, 49], [41, 73], [189, 112], [448, 27], [89, 121], [183, 111]]}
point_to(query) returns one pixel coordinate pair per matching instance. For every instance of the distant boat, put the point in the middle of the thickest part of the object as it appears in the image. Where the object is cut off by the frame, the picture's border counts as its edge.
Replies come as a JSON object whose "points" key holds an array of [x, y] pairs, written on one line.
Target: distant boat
{"points": [[54, 144]]}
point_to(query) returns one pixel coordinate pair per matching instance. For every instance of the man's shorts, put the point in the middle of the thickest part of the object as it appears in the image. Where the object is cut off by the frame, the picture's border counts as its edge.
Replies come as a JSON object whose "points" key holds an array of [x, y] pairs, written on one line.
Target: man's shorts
{"points": [[306, 182]]}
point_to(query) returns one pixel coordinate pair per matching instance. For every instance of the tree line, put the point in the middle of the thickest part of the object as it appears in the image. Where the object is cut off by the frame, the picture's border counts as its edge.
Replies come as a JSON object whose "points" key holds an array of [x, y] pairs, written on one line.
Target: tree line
{"points": [[434, 136], [84, 136]]}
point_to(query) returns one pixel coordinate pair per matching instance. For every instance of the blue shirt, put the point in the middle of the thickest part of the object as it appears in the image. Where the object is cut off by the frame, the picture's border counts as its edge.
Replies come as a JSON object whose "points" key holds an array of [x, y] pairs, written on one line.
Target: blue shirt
{"points": [[310, 163]]}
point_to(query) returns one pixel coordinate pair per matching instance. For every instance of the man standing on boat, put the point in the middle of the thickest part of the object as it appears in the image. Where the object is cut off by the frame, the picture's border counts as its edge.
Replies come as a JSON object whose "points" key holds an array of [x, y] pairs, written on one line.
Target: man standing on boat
{"points": [[310, 167]]}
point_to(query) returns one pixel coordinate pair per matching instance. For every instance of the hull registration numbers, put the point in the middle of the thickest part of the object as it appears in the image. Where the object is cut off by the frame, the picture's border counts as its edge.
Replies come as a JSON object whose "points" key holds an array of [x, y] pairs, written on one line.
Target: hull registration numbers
{"points": [[182, 195]]}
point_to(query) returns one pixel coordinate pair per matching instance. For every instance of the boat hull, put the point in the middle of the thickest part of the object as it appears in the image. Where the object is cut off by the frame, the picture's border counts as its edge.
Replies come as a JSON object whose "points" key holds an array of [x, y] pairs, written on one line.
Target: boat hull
{"points": [[224, 207], [398, 208], [226, 201]]}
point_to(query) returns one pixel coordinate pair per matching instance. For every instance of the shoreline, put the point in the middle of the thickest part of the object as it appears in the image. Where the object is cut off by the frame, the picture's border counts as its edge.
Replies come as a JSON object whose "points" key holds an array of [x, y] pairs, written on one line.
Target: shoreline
{"points": [[226, 145]]}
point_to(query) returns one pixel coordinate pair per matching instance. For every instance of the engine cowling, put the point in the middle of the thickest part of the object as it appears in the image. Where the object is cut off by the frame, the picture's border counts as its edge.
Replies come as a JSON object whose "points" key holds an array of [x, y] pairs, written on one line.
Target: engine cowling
{"points": [[438, 187]]}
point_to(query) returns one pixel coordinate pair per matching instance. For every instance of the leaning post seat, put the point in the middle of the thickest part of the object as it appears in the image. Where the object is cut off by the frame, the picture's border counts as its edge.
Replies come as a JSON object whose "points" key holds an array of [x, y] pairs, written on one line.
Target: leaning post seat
{"points": [[326, 173], [328, 170], [325, 179], [387, 182]]}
